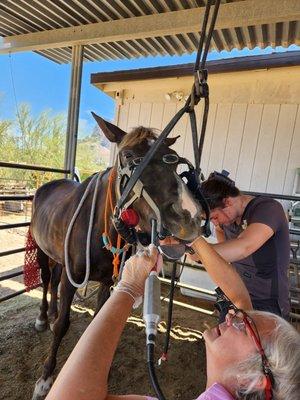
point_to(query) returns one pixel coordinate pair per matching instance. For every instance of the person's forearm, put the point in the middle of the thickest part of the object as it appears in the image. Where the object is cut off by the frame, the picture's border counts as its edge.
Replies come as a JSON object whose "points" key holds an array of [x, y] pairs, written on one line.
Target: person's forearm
{"points": [[85, 374], [223, 274], [232, 250]]}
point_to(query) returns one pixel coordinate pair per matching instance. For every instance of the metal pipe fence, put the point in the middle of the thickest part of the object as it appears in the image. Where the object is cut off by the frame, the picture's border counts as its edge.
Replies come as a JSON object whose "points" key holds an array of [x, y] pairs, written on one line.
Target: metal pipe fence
{"points": [[20, 224], [33, 167], [294, 302], [11, 295], [273, 195], [16, 197], [11, 275], [182, 285], [14, 251], [190, 287]]}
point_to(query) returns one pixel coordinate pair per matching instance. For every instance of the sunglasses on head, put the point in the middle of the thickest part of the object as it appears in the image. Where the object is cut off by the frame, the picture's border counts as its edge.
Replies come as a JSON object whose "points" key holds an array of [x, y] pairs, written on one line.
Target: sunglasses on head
{"points": [[243, 322]]}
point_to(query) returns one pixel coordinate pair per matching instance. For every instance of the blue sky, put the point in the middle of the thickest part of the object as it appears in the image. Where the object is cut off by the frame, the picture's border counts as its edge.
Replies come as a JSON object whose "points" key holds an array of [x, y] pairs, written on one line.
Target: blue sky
{"points": [[33, 79]]}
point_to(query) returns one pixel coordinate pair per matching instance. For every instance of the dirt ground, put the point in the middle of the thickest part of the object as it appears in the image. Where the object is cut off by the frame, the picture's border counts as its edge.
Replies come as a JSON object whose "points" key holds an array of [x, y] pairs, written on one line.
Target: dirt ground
{"points": [[23, 350]]}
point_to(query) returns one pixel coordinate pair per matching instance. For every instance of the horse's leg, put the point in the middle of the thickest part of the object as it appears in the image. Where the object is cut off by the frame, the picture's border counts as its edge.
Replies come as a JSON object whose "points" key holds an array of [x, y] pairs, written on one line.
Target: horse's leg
{"points": [[60, 327], [43, 260], [55, 279], [102, 295]]}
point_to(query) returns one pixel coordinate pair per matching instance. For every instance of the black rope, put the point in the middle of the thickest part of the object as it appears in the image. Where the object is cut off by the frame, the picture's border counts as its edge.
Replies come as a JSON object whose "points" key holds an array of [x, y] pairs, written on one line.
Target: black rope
{"points": [[202, 36], [210, 32], [203, 127], [199, 90], [170, 308], [173, 285], [193, 123]]}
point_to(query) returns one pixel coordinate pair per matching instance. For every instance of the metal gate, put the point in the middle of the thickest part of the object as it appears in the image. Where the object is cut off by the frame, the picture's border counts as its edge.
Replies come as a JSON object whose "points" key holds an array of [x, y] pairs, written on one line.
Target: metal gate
{"points": [[22, 224]]}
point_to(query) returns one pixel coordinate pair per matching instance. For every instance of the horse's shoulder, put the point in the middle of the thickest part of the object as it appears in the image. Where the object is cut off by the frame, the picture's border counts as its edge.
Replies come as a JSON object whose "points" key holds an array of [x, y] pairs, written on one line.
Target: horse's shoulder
{"points": [[55, 188], [58, 183]]}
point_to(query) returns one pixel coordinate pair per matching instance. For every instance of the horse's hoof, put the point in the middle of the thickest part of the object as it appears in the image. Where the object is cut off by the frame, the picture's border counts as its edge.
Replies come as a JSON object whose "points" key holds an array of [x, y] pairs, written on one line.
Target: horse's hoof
{"points": [[51, 326], [51, 320], [42, 388], [40, 325]]}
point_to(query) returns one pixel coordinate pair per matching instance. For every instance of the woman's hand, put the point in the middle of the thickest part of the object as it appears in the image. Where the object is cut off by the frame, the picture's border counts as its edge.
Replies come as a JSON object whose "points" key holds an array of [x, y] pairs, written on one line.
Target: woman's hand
{"points": [[137, 269]]}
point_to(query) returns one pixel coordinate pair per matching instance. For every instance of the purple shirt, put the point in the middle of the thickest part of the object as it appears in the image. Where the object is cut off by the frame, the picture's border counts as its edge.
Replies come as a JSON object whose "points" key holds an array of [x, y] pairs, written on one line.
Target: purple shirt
{"points": [[214, 392], [265, 272]]}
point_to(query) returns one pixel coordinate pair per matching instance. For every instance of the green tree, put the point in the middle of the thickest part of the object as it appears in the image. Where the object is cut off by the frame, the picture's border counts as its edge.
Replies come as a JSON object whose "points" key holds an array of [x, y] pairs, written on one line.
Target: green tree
{"points": [[7, 142], [41, 138], [33, 140], [91, 156], [40, 141]]}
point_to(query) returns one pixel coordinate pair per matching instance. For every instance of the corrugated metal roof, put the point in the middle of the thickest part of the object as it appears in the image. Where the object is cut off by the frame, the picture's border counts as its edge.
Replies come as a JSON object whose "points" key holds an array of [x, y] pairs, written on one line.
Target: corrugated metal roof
{"points": [[19, 17]]}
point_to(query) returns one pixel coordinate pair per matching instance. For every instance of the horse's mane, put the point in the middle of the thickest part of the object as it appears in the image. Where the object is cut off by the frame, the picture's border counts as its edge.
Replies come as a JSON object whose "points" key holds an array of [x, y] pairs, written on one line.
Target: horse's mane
{"points": [[137, 136]]}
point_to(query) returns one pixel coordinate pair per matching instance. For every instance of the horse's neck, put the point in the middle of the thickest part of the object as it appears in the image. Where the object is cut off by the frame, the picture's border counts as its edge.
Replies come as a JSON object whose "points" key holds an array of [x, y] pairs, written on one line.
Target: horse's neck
{"points": [[106, 195]]}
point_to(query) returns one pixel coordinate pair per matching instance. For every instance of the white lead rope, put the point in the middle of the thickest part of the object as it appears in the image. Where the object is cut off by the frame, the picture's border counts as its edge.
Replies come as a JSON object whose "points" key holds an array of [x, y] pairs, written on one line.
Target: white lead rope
{"points": [[89, 233]]}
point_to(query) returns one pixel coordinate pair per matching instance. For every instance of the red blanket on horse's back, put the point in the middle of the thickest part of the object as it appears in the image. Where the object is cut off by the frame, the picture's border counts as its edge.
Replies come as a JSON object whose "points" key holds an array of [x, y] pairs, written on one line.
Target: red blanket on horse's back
{"points": [[31, 267]]}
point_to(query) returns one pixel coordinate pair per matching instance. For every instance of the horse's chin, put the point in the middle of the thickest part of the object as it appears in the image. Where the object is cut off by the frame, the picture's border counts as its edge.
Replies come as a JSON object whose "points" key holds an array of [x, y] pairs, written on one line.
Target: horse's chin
{"points": [[187, 236], [188, 233]]}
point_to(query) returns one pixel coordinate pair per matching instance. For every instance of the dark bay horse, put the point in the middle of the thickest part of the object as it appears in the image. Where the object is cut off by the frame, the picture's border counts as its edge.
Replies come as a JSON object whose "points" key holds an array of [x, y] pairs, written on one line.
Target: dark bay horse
{"points": [[54, 206]]}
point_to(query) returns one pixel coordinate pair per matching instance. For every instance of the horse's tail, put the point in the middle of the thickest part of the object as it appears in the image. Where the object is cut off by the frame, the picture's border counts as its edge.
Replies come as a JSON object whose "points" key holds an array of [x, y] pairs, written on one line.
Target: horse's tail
{"points": [[31, 267]]}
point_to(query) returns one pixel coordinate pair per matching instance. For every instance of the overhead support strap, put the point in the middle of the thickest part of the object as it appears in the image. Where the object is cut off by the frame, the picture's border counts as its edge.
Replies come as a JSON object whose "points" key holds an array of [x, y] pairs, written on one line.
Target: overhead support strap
{"points": [[231, 15], [73, 111]]}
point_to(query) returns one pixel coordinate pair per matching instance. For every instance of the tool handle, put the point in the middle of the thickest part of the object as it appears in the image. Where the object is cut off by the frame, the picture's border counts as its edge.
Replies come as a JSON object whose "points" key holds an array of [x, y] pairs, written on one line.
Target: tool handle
{"points": [[151, 311]]}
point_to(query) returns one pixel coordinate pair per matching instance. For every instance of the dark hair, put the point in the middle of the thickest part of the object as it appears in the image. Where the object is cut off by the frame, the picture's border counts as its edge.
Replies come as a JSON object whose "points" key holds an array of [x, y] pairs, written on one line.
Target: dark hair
{"points": [[217, 188]]}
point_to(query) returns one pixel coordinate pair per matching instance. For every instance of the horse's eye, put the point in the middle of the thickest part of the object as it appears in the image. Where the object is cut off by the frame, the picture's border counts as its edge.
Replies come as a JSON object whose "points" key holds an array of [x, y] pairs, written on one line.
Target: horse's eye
{"points": [[137, 161], [128, 155], [170, 158]]}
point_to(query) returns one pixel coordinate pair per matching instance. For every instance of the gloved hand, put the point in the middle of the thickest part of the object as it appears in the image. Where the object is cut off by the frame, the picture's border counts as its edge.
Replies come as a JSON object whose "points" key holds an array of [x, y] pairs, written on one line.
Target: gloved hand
{"points": [[136, 270]]}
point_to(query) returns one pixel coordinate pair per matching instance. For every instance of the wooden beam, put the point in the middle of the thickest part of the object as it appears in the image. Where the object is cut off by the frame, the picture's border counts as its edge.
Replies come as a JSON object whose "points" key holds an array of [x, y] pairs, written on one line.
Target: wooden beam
{"points": [[237, 14]]}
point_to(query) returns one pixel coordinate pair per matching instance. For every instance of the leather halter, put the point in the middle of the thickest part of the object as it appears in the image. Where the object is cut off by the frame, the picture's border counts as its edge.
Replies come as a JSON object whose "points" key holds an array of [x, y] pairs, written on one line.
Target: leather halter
{"points": [[138, 191]]}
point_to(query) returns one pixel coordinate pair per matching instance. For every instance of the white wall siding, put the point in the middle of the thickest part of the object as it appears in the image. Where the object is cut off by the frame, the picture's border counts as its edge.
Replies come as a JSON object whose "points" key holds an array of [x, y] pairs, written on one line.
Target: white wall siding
{"points": [[234, 139], [265, 144], [258, 143], [282, 147], [253, 127], [294, 157], [219, 137], [145, 114], [248, 149]]}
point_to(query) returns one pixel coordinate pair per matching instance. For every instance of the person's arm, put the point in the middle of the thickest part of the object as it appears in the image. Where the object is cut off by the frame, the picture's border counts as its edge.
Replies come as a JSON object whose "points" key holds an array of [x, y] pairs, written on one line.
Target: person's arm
{"points": [[250, 240], [223, 274], [220, 235], [85, 374]]}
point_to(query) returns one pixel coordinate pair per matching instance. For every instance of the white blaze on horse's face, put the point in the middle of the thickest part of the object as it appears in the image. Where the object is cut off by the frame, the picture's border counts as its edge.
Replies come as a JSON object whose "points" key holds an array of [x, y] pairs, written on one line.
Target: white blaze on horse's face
{"points": [[187, 223], [187, 201]]}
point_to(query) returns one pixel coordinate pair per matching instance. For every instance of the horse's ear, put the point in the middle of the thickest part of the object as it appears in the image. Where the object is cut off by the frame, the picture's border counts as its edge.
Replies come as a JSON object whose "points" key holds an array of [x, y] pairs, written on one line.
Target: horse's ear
{"points": [[170, 141], [112, 132]]}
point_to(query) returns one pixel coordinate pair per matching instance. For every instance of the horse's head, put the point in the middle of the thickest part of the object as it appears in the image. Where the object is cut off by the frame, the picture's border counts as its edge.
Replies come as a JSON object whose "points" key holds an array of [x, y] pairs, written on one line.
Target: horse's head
{"points": [[180, 213]]}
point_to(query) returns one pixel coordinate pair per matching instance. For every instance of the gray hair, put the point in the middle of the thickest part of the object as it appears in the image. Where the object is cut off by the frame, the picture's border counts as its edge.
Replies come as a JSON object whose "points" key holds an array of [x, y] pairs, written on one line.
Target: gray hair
{"points": [[282, 348]]}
